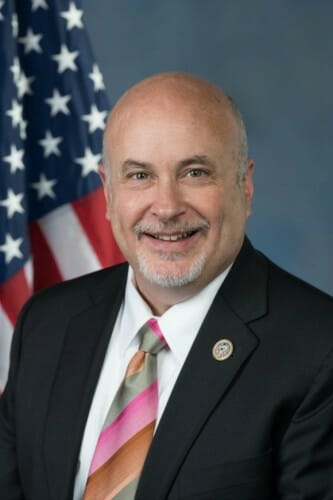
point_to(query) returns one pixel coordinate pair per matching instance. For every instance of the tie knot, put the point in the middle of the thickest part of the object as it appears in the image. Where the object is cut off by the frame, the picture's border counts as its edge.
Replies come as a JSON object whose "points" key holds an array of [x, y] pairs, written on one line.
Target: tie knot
{"points": [[152, 339]]}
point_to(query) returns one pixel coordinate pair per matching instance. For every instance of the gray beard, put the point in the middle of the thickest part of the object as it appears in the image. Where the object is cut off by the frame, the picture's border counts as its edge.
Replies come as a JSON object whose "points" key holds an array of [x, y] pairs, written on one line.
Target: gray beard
{"points": [[171, 279]]}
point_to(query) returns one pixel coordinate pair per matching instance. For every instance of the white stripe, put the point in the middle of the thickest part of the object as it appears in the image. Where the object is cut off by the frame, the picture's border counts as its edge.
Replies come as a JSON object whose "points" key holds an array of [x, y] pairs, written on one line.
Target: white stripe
{"points": [[69, 244], [6, 333], [28, 273]]}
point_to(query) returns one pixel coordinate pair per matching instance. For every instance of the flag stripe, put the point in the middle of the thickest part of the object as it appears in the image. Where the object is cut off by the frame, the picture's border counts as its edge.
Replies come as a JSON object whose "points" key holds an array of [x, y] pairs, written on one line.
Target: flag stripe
{"points": [[88, 209], [5, 341], [46, 271], [14, 294], [63, 232]]}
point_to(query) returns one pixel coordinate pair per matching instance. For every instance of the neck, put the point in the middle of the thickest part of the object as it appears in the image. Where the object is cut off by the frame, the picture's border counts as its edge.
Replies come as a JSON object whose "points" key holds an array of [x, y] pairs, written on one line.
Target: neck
{"points": [[160, 299]]}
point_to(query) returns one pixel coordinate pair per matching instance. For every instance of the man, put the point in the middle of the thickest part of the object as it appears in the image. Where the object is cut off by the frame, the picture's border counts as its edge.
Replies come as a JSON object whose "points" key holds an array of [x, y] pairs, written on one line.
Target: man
{"points": [[245, 378]]}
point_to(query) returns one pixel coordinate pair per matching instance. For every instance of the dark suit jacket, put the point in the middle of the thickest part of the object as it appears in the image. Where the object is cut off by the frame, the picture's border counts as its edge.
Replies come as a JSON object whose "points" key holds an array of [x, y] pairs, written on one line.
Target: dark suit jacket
{"points": [[257, 426]]}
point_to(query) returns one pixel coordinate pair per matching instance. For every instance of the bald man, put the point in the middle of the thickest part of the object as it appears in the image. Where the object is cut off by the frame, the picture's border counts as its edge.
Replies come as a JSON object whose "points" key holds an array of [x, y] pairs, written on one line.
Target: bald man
{"points": [[244, 378]]}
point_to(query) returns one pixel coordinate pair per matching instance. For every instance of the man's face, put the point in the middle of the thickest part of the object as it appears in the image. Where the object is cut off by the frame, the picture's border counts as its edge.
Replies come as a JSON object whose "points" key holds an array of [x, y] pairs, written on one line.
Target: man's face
{"points": [[177, 207]]}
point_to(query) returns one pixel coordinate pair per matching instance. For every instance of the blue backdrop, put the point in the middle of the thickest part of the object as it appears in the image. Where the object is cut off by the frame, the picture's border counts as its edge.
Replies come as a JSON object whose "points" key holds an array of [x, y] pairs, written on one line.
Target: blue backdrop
{"points": [[276, 59]]}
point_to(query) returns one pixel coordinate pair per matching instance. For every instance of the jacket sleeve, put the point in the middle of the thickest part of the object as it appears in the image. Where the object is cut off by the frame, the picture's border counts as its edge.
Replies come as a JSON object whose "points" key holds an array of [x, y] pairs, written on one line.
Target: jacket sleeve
{"points": [[306, 456], [10, 485]]}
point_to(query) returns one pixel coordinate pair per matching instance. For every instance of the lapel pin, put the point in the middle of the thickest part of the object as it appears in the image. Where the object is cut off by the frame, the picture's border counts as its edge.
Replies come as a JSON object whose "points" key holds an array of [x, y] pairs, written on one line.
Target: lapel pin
{"points": [[223, 349]]}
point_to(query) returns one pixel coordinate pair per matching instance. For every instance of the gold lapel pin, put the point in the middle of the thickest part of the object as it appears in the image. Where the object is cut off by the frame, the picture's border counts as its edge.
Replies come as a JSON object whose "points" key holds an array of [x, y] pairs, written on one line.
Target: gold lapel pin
{"points": [[223, 349]]}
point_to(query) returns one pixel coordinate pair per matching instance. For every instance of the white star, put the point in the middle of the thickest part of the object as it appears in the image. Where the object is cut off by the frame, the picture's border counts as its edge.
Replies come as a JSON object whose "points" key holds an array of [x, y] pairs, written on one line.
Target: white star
{"points": [[65, 59], [23, 129], [39, 3], [89, 162], [97, 78], [31, 41], [95, 118], [15, 159], [23, 84], [15, 25], [50, 144], [11, 248], [15, 113], [44, 187], [58, 103], [13, 203], [16, 69], [1, 5], [73, 17]]}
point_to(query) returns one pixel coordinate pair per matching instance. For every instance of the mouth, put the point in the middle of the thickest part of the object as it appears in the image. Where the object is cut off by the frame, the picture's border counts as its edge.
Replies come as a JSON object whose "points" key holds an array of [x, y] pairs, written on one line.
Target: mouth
{"points": [[171, 237]]}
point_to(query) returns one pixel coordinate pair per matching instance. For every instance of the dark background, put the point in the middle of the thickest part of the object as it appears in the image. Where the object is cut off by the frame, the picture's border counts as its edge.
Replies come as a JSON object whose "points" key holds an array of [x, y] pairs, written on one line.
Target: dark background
{"points": [[275, 58]]}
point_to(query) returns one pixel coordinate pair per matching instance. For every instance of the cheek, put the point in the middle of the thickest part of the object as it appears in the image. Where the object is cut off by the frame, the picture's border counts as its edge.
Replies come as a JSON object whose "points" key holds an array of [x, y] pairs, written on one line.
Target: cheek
{"points": [[124, 210]]}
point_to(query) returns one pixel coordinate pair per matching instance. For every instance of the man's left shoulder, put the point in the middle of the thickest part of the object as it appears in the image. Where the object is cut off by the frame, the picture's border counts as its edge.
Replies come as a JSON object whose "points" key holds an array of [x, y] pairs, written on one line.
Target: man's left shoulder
{"points": [[295, 293]]}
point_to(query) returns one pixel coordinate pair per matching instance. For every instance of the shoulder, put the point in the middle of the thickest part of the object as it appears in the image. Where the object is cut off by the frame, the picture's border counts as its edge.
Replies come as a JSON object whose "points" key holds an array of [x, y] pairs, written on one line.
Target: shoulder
{"points": [[77, 293], [292, 293]]}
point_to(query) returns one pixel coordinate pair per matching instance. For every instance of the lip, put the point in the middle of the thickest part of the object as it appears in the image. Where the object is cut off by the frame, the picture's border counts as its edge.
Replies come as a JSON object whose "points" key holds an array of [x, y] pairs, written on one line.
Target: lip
{"points": [[172, 245]]}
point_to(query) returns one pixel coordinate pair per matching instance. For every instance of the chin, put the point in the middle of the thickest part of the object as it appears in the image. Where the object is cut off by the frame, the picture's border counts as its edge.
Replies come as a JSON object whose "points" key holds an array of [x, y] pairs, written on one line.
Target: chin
{"points": [[171, 275]]}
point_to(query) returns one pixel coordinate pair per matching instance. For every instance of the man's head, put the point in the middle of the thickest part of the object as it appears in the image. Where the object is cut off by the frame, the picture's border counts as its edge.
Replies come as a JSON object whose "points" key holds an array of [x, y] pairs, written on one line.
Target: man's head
{"points": [[178, 183]]}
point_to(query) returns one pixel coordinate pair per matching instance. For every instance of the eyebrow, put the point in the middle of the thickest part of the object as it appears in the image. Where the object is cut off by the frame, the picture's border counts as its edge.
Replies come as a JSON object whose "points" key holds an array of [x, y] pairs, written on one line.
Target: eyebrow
{"points": [[196, 159], [199, 159], [130, 163]]}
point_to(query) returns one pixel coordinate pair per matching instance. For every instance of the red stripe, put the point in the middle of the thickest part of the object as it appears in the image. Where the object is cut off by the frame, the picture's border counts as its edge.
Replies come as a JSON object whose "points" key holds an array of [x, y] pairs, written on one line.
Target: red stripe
{"points": [[90, 210], [13, 294], [46, 271]]}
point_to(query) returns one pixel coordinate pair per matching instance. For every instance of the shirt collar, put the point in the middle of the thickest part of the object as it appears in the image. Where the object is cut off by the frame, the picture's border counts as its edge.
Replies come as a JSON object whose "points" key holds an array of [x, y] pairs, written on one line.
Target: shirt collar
{"points": [[179, 324]]}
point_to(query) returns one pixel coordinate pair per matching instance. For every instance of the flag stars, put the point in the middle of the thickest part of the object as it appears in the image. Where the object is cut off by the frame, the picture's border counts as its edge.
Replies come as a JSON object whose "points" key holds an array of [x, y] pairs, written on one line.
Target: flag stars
{"points": [[13, 203], [66, 59], [17, 119], [97, 78], [44, 187], [16, 69], [23, 129], [15, 159], [89, 162], [15, 113], [95, 119], [11, 248], [24, 84], [1, 5], [58, 103], [50, 144], [31, 41], [15, 26], [73, 17], [36, 4]]}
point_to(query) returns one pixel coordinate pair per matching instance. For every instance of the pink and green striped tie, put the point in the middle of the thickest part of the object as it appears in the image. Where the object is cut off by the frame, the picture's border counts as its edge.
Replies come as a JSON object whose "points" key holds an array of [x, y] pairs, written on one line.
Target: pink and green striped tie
{"points": [[129, 426]]}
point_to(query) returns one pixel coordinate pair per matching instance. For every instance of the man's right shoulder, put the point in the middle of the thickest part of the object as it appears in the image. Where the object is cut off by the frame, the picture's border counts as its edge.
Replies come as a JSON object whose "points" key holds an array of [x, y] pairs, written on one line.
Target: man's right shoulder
{"points": [[81, 291]]}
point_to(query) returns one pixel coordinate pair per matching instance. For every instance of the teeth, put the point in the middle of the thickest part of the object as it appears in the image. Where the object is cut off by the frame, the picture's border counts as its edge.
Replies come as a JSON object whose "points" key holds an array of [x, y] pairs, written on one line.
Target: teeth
{"points": [[173, 237]]}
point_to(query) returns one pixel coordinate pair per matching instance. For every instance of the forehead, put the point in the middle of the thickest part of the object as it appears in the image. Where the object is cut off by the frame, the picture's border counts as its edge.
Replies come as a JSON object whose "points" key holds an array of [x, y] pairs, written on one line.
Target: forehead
{"points": [[169, 125], [171, 119]]}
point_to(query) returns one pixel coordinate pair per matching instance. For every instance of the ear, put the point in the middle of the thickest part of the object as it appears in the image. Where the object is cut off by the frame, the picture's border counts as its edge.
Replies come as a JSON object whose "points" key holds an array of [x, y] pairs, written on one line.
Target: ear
{"points": [[106, 189], [248, 186]]}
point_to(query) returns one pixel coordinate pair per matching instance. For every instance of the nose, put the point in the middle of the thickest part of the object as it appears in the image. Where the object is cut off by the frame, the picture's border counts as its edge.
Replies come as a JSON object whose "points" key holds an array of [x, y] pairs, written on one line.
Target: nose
{"points": [[168, 200]]}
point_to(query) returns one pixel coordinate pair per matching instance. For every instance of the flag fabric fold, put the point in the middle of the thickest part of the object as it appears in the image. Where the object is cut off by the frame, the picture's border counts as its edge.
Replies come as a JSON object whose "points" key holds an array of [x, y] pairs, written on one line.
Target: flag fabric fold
{"points": [[53, 108]]}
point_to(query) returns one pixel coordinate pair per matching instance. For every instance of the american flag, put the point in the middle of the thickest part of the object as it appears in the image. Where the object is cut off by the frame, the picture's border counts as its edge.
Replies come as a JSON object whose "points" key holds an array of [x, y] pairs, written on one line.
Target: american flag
{"points": [[53, 109]]}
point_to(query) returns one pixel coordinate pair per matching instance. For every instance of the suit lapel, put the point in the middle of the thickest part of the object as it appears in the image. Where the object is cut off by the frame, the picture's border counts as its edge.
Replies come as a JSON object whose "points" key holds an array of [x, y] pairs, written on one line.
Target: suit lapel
{"points": [[203, 381], [83, 353]]}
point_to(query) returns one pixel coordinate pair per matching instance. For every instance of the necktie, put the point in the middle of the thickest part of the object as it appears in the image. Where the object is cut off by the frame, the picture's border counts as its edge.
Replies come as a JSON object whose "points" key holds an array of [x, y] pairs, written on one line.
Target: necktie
{"points": [[129, 426]]}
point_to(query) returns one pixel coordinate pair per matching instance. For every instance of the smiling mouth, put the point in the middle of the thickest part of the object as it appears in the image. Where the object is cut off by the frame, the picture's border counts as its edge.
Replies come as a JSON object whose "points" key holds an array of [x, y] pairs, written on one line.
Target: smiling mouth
{"points": [[172, 237]]}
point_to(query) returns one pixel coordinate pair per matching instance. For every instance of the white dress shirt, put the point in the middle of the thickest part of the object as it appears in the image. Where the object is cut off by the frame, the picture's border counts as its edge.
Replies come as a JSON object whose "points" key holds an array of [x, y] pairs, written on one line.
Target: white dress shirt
{"points": [[179, 324]]}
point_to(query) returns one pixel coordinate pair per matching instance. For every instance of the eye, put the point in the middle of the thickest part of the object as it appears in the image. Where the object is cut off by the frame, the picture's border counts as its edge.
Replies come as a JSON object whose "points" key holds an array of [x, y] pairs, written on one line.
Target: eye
{"points": [[138, 176], [196, 172]]}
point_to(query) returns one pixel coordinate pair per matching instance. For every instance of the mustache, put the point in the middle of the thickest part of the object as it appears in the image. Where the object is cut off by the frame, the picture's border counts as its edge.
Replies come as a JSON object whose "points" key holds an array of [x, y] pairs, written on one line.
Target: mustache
{"points": [[171, 226]]}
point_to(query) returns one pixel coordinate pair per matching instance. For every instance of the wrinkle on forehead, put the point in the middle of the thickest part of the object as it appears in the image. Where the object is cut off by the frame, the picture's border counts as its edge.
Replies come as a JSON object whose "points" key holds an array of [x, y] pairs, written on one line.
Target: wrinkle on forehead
{"points": [[176, 95]]}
